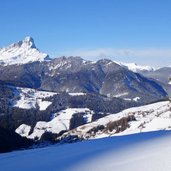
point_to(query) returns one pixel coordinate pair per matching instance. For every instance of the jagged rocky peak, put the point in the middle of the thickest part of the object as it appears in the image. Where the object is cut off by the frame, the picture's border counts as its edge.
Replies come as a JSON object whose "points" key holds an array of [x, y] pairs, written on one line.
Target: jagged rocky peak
{"points": [[71, 62], [105, 61], [70, 58], [108, 65], [21, 52], [29, 41], [77, 60]]}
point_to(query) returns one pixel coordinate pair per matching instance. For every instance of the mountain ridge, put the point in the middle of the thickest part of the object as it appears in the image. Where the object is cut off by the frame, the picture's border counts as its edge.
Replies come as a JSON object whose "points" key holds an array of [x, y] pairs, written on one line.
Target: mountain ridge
{"points": [[29, 43]]}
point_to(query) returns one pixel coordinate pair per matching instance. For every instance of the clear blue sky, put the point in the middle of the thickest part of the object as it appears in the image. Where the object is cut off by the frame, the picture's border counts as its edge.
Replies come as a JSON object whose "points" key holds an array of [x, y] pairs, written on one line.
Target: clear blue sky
{"points": [[125, 30]]}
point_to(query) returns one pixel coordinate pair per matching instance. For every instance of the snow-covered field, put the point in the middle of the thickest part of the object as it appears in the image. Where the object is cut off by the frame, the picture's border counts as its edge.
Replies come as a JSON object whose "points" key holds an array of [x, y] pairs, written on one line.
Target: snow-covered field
{"points": [[28, 98], [140, 152]]}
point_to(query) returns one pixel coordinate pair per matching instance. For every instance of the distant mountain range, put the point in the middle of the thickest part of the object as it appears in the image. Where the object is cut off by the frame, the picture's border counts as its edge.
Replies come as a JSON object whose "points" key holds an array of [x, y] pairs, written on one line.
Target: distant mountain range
{"points": [[34, 69], [40, 96]]}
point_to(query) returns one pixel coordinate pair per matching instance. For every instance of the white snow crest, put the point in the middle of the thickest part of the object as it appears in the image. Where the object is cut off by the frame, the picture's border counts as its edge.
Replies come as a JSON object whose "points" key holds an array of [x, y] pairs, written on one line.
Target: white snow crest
{"points": [[21, 52], [134, 67]]}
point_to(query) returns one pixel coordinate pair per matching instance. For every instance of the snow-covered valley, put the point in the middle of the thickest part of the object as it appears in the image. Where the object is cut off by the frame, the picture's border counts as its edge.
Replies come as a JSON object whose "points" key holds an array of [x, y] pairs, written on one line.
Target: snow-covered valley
{"points": [[85, 85], [69, 99]]}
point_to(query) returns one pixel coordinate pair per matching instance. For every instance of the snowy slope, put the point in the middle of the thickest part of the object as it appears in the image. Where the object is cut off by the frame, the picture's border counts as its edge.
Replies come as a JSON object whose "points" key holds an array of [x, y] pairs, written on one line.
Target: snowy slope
{"points": [[21, 52], [145, 151], [27, 98], [147, 118], [23, 130], [135, 67], [60, 122]]}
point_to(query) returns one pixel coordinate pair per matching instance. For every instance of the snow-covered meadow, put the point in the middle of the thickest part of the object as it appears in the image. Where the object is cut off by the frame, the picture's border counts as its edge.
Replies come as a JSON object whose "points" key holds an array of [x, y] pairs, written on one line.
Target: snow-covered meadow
{"points": [[27, 98]]}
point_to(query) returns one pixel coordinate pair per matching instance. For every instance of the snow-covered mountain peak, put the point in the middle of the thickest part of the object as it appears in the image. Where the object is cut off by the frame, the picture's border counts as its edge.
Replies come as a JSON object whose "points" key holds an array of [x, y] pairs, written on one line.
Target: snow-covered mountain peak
{"points": [[21, 52], [26, 43], [29, 41], [135, 67]]}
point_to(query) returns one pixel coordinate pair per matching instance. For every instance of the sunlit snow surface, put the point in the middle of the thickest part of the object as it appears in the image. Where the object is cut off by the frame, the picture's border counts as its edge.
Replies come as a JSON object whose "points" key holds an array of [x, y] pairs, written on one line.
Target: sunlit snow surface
{"points": [[21, 52], [152, 117], [60, 122], [136, 68], [27, 98], [140, 152]]}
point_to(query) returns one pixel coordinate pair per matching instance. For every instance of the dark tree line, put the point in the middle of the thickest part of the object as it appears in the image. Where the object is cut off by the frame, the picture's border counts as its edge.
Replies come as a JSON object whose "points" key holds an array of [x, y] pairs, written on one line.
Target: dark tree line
{"points": [[9, 141]]}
